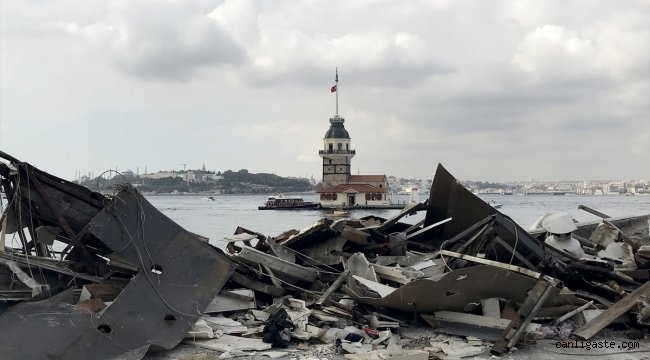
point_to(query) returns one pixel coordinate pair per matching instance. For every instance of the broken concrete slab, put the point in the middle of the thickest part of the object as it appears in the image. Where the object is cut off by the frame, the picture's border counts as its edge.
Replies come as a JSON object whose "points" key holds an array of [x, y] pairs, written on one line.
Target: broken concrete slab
{"points": [[224, 324], [227, 343], [360, 266], [230, 300]]}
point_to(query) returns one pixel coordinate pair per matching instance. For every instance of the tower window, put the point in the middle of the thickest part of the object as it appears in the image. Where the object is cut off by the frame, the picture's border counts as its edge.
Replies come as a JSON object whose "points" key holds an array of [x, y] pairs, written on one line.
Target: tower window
{"points": [[340, 146], [347, 146], [331, 146]]}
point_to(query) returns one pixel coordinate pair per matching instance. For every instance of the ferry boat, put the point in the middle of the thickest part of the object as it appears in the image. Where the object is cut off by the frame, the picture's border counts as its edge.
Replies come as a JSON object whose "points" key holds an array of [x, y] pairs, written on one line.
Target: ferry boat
{"points": [[280, 202]]}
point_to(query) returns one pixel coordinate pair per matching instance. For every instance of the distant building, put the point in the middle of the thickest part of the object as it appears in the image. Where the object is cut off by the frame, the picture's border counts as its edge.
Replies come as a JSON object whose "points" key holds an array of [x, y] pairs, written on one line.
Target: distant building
{"points": [[339, 187], [201, 177], [162, 175]]}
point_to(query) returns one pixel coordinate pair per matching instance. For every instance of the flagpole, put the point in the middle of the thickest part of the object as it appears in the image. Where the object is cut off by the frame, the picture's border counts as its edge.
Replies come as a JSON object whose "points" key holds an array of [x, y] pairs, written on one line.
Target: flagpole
{"points": [[337, 91]]}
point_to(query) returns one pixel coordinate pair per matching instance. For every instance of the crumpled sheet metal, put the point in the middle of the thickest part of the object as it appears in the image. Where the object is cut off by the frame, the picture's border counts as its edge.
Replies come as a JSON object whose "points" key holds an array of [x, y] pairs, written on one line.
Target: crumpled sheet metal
{"points": [[457, 288], [450, 199], [178, 275], [75, 204]]}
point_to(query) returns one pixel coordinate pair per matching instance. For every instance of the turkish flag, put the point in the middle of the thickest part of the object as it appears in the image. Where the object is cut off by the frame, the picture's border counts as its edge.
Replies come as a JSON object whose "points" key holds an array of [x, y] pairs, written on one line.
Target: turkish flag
{"points": [[333, 89]]}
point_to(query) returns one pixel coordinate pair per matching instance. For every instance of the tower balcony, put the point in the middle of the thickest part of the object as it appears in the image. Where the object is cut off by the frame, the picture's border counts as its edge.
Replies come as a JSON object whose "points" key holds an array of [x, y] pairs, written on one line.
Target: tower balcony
{"points": [[337, 152]]}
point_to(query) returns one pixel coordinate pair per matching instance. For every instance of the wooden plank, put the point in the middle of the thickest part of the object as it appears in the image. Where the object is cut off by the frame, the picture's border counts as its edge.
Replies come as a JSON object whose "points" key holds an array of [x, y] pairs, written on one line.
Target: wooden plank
{"points": [[590, 329], [534, 301], [335, 285]]}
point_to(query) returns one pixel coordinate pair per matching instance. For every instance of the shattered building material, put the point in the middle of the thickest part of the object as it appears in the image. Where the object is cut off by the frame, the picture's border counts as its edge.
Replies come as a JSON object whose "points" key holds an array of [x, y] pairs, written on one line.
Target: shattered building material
{"points": [[124, 225], [250, 283], [470, 249], [227, 343], [356, 236], [359, 265], [453, 290], [285, 270], [335, 285], [517, 326], [491, 308], [464, 324], [224, 325], [590, 329], [230, 300]]}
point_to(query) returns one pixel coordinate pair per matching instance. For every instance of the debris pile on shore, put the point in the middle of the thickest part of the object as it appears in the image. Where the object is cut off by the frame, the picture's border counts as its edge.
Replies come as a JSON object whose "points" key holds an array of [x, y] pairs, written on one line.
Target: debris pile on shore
{"points": [[466, 280]]}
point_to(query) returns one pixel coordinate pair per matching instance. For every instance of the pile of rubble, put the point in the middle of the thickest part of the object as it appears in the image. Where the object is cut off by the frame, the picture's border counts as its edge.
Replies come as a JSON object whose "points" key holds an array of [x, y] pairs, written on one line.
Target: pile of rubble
{"points": [[130, 280]]}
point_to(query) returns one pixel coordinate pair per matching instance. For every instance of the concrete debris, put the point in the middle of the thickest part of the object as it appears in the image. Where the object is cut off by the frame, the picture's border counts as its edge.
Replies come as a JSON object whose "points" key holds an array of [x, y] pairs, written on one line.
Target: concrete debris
{"points": [[465, 281], [200, 330], [223, 324], [226, 343], [230, 300]]}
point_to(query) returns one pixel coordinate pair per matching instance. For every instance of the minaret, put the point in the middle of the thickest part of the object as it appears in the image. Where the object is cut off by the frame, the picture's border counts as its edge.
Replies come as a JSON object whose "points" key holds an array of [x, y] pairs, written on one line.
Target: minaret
{"points": [[336, 151]]}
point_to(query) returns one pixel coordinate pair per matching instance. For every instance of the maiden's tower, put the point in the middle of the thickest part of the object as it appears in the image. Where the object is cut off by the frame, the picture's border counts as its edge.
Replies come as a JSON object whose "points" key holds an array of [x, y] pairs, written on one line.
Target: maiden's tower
{"points": [[339, 187]]}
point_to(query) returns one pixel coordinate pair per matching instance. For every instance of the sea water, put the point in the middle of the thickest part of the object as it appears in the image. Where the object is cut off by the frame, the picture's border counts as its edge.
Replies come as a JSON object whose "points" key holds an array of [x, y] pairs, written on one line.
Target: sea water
{"points": [[220, 218]]}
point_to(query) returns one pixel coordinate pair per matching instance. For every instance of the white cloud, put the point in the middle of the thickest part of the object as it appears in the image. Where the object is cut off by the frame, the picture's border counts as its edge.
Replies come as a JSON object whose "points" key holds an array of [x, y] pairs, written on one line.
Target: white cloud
{"points": [[552, 52]]}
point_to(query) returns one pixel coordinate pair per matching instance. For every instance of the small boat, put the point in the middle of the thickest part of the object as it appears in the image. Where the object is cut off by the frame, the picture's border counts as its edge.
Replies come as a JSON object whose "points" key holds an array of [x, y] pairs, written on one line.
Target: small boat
{"points": [[280, 202], [338, 212], [209, 198]]}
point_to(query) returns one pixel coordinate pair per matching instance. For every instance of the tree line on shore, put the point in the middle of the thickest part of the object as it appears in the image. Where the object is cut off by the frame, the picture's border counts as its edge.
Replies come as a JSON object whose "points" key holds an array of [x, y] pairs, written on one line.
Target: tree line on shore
{"points": [[231, 182]]}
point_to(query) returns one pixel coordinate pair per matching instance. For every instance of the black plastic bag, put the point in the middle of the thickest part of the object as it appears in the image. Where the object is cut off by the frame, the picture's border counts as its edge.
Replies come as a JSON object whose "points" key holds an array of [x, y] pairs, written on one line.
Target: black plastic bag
{"points": [[277, 329]]}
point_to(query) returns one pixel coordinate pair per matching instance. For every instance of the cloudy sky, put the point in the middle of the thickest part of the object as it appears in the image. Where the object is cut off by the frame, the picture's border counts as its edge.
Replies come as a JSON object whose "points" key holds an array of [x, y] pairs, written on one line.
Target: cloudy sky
{"points": [[494, 90]]}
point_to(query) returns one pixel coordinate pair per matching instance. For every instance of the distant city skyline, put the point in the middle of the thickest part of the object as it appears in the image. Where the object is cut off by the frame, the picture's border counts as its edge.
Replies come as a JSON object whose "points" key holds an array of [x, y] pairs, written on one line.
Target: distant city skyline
{"points": [[493, 90], [307, 176]]}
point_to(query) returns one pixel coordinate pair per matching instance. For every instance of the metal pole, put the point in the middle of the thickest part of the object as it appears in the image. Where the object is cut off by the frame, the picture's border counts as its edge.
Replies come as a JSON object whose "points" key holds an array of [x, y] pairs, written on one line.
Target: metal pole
{"points": [[337, 91]]}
